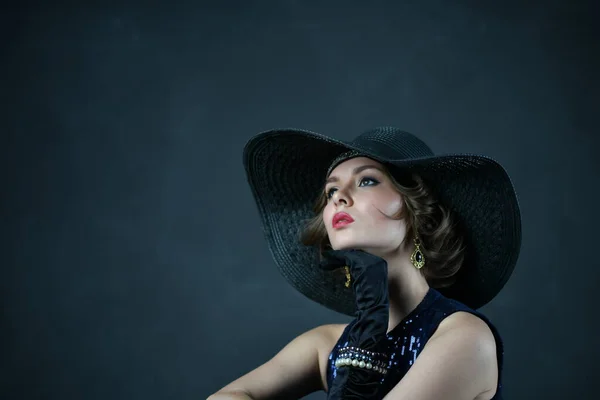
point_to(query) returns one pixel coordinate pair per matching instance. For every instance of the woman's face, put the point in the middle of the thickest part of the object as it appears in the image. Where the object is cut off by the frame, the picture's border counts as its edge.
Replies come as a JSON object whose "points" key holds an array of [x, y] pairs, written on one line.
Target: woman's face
{"points": [[359, 188]]}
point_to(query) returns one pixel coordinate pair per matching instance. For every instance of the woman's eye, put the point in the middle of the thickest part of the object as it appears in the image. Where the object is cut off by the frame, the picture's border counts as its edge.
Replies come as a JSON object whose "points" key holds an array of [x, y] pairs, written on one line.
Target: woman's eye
{"points": [[368, 181]]}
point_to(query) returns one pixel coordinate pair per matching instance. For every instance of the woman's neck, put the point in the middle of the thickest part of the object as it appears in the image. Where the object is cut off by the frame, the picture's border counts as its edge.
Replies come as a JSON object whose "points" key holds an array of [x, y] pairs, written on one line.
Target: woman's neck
{"points": [[407, 288]]}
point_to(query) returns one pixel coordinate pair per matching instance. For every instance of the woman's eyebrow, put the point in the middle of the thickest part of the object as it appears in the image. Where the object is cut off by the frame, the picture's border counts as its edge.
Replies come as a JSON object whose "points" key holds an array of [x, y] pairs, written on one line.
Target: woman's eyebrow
{"points": [[355, 171]]}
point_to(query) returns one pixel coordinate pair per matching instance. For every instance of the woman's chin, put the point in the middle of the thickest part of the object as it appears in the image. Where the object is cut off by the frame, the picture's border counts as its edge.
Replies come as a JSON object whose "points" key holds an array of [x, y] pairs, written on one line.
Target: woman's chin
{"points": [[380, 251], [352, 245]]}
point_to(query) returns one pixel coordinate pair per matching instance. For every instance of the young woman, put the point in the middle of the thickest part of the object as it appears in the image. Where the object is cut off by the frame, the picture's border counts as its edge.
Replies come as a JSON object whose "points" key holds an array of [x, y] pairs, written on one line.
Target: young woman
{"points": [[407, 242]]}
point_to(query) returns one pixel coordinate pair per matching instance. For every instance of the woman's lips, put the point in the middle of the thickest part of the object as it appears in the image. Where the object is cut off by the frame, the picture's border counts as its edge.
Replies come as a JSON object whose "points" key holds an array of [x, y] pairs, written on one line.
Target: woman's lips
{"points": [[341, 219]]}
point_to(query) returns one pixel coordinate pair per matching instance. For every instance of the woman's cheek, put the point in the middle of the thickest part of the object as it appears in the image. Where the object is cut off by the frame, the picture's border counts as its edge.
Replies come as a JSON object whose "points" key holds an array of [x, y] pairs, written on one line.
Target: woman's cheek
{"points": [[389, 207], [327, 215]]}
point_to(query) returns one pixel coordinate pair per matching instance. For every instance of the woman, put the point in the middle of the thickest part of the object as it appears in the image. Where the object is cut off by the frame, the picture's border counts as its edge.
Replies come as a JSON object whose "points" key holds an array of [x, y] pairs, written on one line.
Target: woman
{"points": [[407, 242]]}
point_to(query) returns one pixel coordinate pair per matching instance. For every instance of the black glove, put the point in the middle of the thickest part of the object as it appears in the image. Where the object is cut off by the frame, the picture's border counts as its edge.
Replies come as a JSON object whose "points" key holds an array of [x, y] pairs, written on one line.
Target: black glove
{"points": [[367, 336]]}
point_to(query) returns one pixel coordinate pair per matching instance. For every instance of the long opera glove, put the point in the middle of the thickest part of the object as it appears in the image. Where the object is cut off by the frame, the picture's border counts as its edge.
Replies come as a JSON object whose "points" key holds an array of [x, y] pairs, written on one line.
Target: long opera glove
{"points": [[368, 333]]}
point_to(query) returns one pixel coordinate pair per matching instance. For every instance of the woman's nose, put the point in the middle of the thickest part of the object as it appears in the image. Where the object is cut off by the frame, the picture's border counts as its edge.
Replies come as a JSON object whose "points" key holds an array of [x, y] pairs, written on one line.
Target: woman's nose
{"points": [[341, 197]]}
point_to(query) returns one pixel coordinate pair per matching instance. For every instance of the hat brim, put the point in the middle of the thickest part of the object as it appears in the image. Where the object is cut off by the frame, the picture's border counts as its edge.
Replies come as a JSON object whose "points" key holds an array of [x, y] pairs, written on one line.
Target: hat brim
{"points": [[286, 172]]}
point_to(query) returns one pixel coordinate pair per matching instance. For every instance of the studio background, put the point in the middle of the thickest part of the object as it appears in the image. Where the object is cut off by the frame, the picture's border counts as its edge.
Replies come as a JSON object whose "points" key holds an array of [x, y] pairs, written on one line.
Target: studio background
{"points": [[133, 264]]}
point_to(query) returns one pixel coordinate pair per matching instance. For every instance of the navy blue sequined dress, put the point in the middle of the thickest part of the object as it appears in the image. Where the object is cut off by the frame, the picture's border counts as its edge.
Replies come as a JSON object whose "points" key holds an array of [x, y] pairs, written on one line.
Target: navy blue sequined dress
{"points": [[408, 338]]}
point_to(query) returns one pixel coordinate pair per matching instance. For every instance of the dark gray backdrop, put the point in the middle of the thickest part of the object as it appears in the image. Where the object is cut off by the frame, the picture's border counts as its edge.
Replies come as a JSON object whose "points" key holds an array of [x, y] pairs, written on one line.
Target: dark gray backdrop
{"points": [[133, 263]]}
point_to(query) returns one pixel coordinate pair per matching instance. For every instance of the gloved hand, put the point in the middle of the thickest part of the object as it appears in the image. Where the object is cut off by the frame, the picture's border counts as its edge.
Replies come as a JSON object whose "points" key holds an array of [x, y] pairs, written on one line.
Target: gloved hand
{"points": [[369, 275]]}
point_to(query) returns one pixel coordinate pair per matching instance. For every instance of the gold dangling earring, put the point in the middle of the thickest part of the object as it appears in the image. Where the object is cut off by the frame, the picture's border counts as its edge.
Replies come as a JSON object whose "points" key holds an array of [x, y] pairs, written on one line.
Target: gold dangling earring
{"points": [[348, 277], [417, 258]]}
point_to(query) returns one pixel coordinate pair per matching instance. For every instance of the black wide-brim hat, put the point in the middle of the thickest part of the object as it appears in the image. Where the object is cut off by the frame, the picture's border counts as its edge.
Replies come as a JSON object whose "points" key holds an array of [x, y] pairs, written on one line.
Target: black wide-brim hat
{"points": [[286, 170]]}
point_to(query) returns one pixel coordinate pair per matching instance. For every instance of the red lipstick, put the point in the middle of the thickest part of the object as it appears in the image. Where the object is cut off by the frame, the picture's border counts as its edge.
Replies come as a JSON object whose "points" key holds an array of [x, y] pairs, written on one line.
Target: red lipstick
{"points": [[341, 219]]}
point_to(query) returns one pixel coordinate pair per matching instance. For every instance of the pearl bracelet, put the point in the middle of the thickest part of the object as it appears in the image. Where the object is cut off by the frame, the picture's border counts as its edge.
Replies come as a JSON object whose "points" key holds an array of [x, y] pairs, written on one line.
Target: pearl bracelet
{"points": [[359, 358]]}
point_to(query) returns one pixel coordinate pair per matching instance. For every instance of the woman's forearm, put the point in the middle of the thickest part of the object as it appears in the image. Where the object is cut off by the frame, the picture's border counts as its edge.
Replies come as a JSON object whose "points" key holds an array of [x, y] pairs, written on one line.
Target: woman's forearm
{"points": [[230, 396]]}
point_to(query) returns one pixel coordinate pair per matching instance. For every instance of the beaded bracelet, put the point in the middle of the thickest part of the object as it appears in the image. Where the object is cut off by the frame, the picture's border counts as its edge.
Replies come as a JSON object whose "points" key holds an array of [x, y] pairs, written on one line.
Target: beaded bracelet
{"points": [[360, 358]]}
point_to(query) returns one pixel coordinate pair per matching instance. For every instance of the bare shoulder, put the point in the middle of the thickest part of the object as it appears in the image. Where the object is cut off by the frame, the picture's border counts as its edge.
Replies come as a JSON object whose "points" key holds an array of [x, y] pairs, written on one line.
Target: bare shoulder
{"points": [[457, 362], [465, 323], [332, 331], [323, 337], [472, 337], [470, 331], [329, 335]]}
